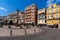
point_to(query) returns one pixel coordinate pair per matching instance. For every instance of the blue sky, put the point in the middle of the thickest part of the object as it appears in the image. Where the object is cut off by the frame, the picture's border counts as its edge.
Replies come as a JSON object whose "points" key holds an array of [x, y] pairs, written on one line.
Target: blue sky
{"points": [[8, 6]]}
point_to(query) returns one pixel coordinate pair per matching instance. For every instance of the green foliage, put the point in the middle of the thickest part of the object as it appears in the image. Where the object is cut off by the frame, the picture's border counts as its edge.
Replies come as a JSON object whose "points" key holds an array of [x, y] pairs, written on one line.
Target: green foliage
{"points": [[9, 27], [1, 25], [11, 22], [5, 22]]}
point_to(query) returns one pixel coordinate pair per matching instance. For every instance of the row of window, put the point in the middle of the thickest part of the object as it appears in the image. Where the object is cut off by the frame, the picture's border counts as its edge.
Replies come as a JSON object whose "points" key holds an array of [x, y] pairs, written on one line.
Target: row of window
{"points": [[52, 21], [53, 10], [53, 16], [41, 17], [42, 20]]}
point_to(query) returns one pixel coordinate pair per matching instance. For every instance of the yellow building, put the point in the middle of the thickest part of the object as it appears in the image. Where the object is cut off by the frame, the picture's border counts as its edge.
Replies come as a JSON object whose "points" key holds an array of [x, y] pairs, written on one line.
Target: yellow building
{"points": [[53, 15]]}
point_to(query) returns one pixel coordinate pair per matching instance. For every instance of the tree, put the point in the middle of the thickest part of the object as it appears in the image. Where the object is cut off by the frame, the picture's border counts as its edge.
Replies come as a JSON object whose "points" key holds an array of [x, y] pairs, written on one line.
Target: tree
{"points": [[32, 24], [5, 22], [11, 22]]}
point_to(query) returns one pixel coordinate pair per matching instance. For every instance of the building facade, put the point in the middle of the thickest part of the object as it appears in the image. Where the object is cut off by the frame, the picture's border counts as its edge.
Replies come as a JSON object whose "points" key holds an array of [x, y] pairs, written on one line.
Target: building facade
{"points": [[2, 18], [30, 16], [41, 21], [13, 17], [53, 15]]}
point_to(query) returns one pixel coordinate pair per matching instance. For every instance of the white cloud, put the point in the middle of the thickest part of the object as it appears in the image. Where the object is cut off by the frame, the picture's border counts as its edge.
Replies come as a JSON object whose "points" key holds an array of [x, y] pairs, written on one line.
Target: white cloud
{"points": [[2, 8], [50, 2]]}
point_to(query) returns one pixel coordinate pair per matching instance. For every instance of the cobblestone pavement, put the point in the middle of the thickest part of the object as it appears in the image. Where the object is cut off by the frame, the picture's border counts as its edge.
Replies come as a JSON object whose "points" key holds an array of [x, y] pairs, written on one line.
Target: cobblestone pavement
{"points": [[46, 34], [16, 31]]}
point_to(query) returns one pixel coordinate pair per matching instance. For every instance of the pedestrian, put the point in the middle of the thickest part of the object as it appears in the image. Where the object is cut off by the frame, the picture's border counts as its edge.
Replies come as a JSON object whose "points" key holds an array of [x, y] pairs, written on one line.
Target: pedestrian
{"points": [[25, 31], [11, 31]]}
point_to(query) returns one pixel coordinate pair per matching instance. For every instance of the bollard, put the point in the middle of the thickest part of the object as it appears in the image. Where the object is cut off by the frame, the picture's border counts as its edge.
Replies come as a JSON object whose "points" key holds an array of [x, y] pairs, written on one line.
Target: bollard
{"points": [[35, 29], [39, 29], [11, 31], [25, 31]]}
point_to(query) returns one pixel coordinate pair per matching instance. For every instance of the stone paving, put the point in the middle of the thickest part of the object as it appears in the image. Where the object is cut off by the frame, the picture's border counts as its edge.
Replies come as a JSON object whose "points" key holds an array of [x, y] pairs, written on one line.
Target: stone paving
{"points": [[39, 34], [46, 34], [16, 31]]}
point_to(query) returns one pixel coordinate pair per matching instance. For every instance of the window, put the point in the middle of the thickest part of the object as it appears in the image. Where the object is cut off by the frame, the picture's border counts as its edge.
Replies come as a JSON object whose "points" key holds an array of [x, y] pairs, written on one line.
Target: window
{"points": [[47, 11], [57, 15], [38, 17], [52, 16], [44, 16], [45, 21], [42, 20], [57, 9], [52, 20], [57, 21], [52, 7], [48, 16], [39, 20]]}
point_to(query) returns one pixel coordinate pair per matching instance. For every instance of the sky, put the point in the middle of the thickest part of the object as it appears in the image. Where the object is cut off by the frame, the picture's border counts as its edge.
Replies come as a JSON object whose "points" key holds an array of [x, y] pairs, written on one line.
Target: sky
{"points": [[8, 6]]}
